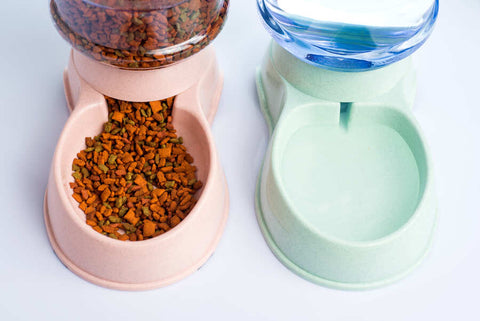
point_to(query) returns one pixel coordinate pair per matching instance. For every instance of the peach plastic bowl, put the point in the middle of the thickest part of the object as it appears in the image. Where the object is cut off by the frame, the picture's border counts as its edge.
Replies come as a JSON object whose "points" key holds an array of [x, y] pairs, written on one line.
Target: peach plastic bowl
{"points": [[172, 256]]}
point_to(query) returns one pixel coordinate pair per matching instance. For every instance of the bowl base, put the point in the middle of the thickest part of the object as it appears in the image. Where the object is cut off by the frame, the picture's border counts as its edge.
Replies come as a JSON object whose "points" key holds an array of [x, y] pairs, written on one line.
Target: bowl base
{"points": [[289, 264], [130, 286]]}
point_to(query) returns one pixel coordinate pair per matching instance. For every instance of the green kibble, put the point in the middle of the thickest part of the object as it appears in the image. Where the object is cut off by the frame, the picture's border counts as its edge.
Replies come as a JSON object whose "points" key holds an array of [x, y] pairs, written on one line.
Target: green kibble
{"points": [[129, 176], [192, 181], [157, 159], [114, 219], [101, 223], [77, 175], [146, 211], [115, 131], [108, 127], [113, 236], [195, 15], [111, 159], [123, 211], [169, 184], [129, 227], [120, 201], [103, 168], [85, 172], [152, 144], [174, 141], [150, 186], [75, 168], [137, 21], [144, 114], [90, 149], [141, 50], [119, 53], [98, 148]]}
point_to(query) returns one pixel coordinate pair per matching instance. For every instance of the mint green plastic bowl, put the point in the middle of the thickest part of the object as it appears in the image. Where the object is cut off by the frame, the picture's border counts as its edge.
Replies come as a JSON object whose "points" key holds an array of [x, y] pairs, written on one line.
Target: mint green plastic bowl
{"points": [[344, 199]]}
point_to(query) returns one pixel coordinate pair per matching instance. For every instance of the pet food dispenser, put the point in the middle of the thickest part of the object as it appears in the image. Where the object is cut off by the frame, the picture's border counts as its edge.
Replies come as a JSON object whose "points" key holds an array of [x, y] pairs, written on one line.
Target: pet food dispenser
{"points": [[185, 70]]}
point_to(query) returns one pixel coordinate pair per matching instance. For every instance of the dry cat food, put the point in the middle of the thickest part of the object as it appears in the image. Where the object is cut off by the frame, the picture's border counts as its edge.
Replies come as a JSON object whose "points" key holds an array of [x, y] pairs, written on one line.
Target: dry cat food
{"points": [[139, 33], [135, 180]]}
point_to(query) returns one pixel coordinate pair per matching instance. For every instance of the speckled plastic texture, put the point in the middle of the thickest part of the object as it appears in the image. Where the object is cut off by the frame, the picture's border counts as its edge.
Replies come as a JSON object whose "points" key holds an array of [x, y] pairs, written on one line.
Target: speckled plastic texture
{"points": [[345, 197], [197, 83]]}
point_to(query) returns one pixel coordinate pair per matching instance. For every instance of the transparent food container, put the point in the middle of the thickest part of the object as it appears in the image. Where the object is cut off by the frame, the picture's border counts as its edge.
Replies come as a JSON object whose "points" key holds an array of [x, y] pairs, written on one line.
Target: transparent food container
{"points": [[349, 35], [139, 34]]}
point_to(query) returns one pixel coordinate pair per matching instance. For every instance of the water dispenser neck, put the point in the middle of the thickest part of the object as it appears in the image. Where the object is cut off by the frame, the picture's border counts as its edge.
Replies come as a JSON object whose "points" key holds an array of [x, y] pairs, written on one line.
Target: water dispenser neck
{"points": [[337, 86]]}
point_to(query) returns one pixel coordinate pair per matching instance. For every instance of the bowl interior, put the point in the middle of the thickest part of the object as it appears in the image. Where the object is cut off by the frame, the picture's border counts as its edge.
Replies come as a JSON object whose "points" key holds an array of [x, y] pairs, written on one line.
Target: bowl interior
{"points": [[356, 182], [87, 121]]}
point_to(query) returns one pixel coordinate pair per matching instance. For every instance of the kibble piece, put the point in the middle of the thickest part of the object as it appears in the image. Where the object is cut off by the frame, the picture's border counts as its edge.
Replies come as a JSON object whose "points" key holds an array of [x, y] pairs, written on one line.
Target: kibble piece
{"points": [[148, 228]]}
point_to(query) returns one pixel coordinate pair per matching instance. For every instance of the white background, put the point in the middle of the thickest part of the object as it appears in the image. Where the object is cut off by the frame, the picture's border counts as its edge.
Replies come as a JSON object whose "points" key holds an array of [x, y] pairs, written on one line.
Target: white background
{"points": [[242, 280]]}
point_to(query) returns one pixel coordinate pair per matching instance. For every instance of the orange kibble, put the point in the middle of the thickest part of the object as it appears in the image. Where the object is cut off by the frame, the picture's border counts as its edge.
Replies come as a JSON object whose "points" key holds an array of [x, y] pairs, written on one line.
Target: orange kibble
{"points": [[77, 197], [91, 199], [105, 194], [174, 221], [165, 152], [148, 228], [161, 177], [139, 180], [123, 237], [156, 106], [158, 192], [79, 162], [109, 229], [164, 226], [83, 206], [130, 217], [118, 116]]}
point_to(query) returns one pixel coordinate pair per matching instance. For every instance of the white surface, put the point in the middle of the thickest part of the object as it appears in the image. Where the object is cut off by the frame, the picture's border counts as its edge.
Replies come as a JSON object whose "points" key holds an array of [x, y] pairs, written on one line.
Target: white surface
{"points": [[243, 280]]}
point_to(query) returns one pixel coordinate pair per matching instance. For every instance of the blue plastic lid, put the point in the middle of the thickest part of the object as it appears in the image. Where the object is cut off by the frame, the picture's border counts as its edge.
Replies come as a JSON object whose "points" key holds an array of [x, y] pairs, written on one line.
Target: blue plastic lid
{"points": [[349, 35]]}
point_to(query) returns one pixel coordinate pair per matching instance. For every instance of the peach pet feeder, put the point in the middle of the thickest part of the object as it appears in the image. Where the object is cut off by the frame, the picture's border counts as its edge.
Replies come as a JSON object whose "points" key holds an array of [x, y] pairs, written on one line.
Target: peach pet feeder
{"points": [[196, 82]]}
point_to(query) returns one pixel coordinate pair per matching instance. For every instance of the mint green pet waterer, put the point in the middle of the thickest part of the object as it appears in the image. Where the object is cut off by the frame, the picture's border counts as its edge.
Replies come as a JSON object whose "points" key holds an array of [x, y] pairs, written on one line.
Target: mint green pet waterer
{"points": [[345, 197]]}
